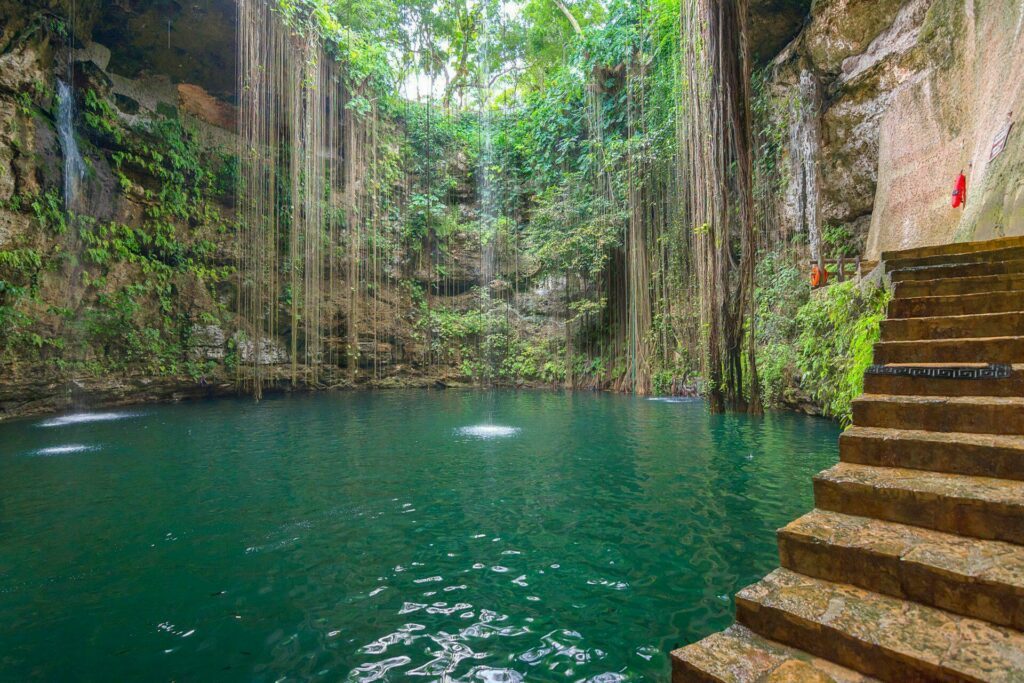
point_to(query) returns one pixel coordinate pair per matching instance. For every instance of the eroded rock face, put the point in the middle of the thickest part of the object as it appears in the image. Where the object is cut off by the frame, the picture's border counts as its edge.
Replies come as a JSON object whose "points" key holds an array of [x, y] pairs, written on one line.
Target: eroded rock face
{"points": [[196, 101], [911, 91], [944, 122], [840, 29], [190, 42], [773, 23]]}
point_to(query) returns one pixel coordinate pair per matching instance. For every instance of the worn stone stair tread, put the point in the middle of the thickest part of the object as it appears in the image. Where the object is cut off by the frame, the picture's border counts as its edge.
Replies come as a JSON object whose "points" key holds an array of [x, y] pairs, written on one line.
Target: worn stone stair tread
{"points": [[965, 400], [980, 507], [956, 304], [989, 255], [738, 655], [878, 635], [975, 578], [974, 284], [982, 455], [937, 271], [973, 414], [1004, 349], [955, 248], [971, 326]]}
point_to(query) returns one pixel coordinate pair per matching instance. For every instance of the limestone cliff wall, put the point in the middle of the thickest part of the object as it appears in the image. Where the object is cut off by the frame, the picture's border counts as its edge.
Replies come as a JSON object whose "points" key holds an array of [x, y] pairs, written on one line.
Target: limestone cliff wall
{"points": [[945, 119], [887, 101]]}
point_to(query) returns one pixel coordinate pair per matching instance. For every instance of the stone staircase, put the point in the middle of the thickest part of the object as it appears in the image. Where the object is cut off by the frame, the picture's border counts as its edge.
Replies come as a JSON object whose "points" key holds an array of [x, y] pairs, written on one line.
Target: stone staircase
{"points": [[911, 567]]}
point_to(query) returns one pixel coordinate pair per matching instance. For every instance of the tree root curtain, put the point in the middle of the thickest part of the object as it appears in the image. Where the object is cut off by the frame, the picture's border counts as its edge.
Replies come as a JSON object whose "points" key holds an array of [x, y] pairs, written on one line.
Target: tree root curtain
{"points": [[319, 239]]}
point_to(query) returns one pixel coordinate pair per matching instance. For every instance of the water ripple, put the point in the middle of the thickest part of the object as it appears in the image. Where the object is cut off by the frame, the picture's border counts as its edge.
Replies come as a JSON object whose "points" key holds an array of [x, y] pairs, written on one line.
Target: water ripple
{"points": [[362, 537]]}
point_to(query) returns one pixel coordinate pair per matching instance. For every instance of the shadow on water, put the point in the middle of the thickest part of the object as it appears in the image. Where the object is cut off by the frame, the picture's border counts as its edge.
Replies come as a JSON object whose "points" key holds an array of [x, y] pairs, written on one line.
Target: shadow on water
{"points": [[456, 535]]}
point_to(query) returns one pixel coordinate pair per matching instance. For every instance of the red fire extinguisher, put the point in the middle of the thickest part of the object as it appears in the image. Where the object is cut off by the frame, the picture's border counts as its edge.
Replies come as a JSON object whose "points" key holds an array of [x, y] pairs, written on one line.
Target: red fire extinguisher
{"points": [[960, 192]]}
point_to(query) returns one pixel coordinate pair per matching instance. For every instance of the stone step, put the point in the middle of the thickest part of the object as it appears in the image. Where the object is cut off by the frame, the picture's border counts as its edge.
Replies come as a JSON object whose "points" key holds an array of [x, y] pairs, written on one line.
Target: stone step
{"points": [[967, 304], [970, 414], [878, 635], [978, 455], [738, 655], [980, 507], [955, 248], [1006, 324], [978, 579], [957, 270], [960, 285], [1014, 253], [965, 350], [944, 379]]}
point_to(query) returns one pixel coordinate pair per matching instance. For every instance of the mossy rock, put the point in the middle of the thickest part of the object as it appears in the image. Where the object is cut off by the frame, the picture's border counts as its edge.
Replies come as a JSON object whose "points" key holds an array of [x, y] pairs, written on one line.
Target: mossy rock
{"points": [[844, 28]]}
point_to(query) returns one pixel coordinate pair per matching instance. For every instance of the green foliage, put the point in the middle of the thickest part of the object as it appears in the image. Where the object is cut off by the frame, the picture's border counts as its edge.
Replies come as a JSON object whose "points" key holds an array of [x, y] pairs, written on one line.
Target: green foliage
{"points": [[47, 209], [839, 241], [138, 281], [781, 289], [574, 231], [101, 118], [838, 330], [19, 281], [771, 123], [485, 348]]}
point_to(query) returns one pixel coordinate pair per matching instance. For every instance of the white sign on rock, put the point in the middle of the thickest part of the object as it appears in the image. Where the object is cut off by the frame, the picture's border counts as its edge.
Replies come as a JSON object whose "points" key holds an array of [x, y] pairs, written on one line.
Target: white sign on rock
{"points": [[999, 142]]}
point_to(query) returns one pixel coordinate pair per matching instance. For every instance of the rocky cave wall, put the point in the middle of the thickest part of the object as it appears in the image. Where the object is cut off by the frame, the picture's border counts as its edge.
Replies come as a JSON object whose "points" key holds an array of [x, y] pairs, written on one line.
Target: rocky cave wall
{"points": [[882, 102], [149, 62], [885, 101]]}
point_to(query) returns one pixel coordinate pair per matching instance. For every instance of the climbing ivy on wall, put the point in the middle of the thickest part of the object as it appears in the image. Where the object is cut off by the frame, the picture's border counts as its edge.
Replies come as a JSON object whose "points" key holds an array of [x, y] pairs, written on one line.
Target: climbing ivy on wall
{"points": [[122, 294]]}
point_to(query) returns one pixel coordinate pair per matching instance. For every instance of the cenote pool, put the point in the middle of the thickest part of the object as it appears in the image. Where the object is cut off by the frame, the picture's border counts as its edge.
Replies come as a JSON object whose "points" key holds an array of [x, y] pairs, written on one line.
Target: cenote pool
{"points": [[455, 535]]}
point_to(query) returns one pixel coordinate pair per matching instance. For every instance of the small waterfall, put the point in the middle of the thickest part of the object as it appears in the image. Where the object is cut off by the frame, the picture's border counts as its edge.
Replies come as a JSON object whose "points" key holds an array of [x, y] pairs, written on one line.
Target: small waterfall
{"points": [[490, 211], [74, 166], [804, 144], [486, 189]]}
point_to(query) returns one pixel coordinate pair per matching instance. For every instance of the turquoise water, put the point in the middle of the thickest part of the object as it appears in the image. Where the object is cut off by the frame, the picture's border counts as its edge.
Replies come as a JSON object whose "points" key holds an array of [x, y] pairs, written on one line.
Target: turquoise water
{"points": [[380, 536]]}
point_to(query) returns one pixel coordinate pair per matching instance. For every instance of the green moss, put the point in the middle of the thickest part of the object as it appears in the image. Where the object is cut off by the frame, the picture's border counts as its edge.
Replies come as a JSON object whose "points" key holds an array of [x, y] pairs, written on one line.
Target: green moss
{"points": [[838, 331], [166, 110], [941, 33]]}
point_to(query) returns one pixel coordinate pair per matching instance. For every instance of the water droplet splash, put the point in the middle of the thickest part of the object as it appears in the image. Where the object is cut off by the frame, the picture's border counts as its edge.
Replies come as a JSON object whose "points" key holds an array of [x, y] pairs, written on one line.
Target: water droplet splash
{"points": [[488, 431], [65, 449], [83, 418]]}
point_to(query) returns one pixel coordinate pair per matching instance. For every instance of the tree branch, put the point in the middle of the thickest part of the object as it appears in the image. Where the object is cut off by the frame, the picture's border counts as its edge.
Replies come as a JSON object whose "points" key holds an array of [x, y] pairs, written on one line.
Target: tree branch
{"points": [[568, 15]]}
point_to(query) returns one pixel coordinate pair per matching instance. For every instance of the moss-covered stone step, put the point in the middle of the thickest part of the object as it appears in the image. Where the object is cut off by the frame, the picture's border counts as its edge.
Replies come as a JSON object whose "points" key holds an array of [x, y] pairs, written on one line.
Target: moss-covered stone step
{"points": [[967, 304], [969, 414], [967, 576], [963, 350], [981, 455], [980, 507], [960, 285], [933, 272], [1004, 324], [1015, 253], [878, 635], [738, 655], [938, 385], [954, 249]]}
